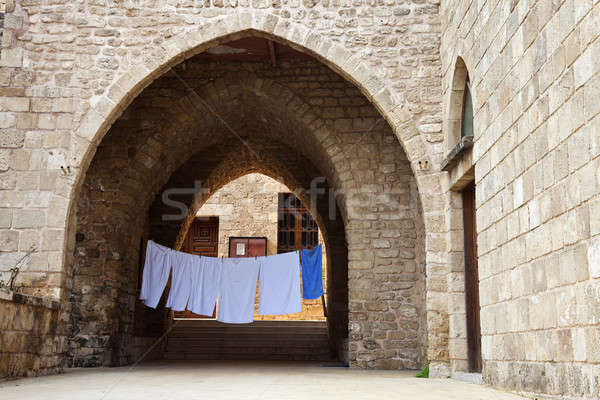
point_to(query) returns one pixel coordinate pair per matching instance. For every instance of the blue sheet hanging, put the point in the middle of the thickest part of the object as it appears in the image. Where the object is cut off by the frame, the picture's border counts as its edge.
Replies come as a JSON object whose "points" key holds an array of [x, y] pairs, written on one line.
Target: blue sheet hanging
{"points": [[312, 273]]}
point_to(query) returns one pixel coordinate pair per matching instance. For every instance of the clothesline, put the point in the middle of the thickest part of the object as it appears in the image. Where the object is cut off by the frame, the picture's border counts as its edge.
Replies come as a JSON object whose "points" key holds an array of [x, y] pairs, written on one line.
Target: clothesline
{"points": [[198, 281]]}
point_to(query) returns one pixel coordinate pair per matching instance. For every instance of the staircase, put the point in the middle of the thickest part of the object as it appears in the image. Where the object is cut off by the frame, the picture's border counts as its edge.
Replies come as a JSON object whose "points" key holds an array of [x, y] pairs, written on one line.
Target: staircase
{"points": [[261, 340]]}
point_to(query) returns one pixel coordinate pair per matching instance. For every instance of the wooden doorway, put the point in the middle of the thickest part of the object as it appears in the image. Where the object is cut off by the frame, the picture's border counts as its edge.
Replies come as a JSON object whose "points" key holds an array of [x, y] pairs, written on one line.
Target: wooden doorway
{"points": [[471, 279], [202, 239]]}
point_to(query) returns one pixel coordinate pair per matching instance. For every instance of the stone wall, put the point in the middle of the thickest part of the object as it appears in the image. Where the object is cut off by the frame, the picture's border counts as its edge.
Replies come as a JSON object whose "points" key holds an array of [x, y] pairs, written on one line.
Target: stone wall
{"points": [[69, 71], [535, 75], [32, 341], [248, 206]]}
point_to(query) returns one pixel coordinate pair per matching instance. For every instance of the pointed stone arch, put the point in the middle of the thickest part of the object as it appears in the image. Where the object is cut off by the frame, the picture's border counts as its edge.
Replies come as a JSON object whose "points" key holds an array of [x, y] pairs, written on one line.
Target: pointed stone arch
{"points": [[159, 59], [108, 107]]}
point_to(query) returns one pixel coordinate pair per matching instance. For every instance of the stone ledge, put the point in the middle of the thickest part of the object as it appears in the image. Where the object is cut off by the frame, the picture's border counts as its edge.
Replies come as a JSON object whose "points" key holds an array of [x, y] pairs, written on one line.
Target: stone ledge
{"points": [[466, 142], [34, 301]]}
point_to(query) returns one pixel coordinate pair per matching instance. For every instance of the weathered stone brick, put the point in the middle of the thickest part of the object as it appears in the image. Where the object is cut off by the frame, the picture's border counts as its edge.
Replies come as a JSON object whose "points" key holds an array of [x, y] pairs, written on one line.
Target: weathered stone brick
{"points": [[14, 104], [11, 57], [9, 240], [593, 257], [20, 160], [26, 120], [28, 219]]}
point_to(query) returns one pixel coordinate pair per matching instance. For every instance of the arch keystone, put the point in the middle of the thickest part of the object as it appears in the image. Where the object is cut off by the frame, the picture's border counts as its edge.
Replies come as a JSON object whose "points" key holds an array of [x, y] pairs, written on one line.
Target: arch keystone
{"points": [[245, 19], [233, 22]]}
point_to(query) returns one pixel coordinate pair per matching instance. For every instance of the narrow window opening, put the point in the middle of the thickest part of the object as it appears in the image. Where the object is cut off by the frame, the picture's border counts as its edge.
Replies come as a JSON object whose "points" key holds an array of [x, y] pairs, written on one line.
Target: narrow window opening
{"points": [[467, 112]]}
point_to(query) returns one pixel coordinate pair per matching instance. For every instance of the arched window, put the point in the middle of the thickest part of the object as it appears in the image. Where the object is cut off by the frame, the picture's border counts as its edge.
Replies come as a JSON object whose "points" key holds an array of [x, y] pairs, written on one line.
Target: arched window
{"points": [[466, 126], [459, 126]]}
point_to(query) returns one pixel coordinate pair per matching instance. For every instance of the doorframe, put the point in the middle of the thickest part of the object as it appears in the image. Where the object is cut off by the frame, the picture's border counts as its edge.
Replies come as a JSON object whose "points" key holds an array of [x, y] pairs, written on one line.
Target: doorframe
{"points": [[457, 307], [472, 299]]}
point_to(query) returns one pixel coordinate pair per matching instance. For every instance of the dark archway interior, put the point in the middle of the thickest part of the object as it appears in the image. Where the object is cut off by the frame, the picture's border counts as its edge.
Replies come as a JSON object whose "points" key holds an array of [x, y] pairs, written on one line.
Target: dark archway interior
{"points": [[248, 106]]}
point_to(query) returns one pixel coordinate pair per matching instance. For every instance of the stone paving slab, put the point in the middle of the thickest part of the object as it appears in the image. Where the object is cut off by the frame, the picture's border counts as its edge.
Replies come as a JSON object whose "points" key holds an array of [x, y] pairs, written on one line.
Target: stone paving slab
{"points": [[241, 380]]}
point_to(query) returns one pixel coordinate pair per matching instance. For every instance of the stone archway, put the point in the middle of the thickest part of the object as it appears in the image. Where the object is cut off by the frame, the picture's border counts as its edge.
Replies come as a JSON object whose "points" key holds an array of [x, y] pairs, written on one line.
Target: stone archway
{"points": [[107, 108], [106, 111], [318, 199]]}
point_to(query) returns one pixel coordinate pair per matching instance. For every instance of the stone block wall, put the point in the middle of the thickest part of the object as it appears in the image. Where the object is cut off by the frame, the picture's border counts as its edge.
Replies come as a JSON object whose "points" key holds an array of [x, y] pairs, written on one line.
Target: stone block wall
{"points": [[32, 338], [248, 206], [58, 62], [69, 70], [535, 76]]}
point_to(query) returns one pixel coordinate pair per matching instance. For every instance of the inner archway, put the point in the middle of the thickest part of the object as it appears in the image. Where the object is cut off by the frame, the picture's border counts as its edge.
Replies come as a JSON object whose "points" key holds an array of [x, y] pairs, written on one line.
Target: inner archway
{"points": [[258, 206], [263, 217], [218, 116]]}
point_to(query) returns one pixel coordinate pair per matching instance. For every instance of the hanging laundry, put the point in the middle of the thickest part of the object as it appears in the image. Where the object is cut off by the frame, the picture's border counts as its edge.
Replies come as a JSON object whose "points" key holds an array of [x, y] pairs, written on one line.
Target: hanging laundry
{"points": [[157, 267], [238, 290], [279, 286], [181, 279], [206, 277], [312, 273]]}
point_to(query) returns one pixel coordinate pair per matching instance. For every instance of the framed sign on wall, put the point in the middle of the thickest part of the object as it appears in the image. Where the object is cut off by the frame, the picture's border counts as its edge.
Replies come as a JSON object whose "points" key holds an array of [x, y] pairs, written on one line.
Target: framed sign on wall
{"points": [[247, 246]]}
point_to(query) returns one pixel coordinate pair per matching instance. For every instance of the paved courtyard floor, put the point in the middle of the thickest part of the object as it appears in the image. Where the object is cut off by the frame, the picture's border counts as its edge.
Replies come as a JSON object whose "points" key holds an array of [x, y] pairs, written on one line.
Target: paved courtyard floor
{"points": [[241, 380]]}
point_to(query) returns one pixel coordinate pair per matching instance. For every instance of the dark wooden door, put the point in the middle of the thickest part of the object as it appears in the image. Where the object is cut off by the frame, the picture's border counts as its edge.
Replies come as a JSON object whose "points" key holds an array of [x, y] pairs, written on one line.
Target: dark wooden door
{"points": [[247, 246], [471, 280], [202, 239]]}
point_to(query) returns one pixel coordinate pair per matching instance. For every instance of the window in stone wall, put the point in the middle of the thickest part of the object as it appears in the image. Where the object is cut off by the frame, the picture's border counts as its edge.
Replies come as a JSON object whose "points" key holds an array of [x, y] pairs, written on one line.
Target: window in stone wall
{"points": [[466, 126], [296, 228], [459, 122]]}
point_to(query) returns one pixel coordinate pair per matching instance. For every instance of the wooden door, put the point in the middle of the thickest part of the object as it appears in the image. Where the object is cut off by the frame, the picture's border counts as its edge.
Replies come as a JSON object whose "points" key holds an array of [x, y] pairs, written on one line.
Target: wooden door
{"points": [[471, 280], [247, 246], [202, 239]]}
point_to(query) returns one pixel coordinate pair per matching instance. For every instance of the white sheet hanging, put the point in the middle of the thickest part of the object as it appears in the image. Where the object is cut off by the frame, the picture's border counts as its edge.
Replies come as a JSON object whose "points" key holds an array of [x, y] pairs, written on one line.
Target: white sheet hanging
{"points": [[279, 287], [206, 277], [181, 280], [238, 290], [156, 273]]}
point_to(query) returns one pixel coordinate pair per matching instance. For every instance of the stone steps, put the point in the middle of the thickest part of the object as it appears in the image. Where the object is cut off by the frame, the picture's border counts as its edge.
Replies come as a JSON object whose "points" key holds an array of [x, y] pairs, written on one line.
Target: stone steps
{"points": [[261, 340]]}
